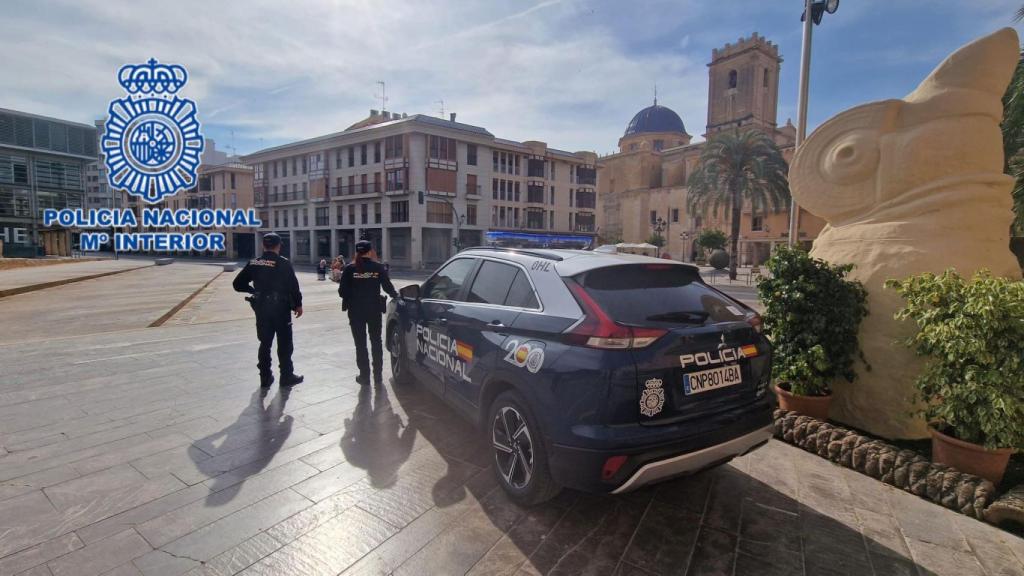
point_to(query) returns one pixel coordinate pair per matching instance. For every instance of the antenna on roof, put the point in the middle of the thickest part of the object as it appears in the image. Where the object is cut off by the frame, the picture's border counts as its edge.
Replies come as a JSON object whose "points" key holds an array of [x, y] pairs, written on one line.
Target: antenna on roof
{"points": [[655, 93], [383, 96], [441, 103]]}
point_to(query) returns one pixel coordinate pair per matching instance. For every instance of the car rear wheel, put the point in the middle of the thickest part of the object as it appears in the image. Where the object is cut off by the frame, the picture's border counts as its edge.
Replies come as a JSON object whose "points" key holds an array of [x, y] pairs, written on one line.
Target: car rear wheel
{"points": [[399, 369], [520, 461]]}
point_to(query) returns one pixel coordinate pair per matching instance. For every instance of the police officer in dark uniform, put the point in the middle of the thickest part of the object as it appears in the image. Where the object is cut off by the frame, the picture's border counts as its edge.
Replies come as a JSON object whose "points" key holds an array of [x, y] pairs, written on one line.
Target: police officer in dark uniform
{"points": [[275, 295], [360, 286]]}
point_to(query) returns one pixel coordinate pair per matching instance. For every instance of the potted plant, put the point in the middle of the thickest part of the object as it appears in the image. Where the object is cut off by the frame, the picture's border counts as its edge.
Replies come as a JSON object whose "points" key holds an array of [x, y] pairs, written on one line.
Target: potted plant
{"points": [[971, 390], [812, 315]]}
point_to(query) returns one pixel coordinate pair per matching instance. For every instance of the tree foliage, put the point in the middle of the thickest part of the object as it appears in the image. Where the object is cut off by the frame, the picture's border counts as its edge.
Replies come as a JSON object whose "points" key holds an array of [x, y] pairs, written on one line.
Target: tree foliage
{"points": [[738, 168], [656, 240], [712, 239], [812, 317], [972, 333]]}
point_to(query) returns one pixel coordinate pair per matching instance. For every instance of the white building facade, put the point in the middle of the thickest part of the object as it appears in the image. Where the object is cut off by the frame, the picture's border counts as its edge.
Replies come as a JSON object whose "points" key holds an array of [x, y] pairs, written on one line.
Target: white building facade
{"points": [[419, 188]]}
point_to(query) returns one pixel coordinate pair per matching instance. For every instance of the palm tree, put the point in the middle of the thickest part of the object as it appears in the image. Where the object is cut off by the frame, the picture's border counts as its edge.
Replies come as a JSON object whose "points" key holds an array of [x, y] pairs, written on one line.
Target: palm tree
{"points": [[1013, 138], [737, 168]]}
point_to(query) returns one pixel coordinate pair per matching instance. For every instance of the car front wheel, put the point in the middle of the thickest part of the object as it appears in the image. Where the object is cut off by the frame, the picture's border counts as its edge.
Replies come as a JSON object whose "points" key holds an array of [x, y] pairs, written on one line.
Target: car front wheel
{"points": [[399, 369], [520, 461]]}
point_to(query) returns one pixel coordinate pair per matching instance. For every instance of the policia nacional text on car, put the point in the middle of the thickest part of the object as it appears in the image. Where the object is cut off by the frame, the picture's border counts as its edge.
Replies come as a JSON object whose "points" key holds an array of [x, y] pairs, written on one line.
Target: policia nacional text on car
{"points": [[360, 286], [275, 295]]}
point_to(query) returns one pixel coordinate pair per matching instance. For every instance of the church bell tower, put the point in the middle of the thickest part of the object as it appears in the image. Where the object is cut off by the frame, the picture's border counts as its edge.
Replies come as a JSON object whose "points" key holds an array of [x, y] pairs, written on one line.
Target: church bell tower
{"points": [[743, 85]]}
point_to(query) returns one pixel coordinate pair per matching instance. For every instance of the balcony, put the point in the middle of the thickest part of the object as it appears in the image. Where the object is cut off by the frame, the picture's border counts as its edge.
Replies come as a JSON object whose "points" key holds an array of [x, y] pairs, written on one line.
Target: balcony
{"points": [[473, 192], [318, 173], [586, 200], [288, 197], [356, 191]]}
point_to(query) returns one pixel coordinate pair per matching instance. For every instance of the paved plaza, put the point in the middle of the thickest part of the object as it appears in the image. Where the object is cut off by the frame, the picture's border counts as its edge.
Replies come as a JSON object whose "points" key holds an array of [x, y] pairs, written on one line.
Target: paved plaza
{"points": [[129, 449]]}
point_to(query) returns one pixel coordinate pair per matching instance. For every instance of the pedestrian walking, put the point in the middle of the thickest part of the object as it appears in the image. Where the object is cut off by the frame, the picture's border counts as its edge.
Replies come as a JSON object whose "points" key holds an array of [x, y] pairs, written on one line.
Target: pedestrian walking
{"points": [[360, 286], [274, 296], [321, 269]]}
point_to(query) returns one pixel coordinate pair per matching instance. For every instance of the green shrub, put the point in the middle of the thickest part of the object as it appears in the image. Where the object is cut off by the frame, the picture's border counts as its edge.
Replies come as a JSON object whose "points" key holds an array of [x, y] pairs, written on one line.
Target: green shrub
{"points": [[712, 239], [656, 240], [972, 333], [812, 316]]}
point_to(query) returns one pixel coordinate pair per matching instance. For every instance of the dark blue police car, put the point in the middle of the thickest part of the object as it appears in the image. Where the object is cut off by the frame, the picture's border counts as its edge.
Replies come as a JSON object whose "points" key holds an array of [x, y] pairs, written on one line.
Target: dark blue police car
{"points": [[601, 372]]}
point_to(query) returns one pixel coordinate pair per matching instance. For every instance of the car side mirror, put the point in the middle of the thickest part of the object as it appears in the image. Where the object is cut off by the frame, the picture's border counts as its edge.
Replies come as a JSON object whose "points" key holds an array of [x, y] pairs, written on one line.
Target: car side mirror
{"points": [[410, 292]]}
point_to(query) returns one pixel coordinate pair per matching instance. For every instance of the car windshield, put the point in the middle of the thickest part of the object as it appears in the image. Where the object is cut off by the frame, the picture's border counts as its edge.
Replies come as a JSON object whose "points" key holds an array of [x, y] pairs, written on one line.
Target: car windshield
{"points": [[645, 293]]}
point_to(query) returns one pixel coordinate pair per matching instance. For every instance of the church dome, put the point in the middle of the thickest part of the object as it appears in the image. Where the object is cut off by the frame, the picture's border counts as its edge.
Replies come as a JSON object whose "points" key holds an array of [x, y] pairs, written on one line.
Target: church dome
{"points": [[655, 119]]}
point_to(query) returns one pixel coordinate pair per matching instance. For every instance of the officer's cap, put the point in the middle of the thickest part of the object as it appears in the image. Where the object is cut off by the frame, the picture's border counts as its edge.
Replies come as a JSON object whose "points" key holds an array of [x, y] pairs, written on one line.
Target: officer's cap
{"points": [[270, 240], [364, 246]]}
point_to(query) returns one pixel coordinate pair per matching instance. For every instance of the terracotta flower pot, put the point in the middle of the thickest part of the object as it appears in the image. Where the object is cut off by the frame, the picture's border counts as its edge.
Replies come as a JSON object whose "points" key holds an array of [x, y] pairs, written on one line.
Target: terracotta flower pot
{"points": [[969, 457], [813, 406]]}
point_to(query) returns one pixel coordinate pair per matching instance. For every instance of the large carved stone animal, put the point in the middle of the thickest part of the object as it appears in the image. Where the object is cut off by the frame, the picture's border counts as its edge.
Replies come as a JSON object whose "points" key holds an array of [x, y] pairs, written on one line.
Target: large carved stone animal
{"points": [[911, 186]]}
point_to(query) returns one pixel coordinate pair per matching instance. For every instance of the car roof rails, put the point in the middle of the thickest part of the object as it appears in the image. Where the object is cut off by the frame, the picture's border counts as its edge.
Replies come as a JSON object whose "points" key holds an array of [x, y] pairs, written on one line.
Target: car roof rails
{"points": [[527, 252]]}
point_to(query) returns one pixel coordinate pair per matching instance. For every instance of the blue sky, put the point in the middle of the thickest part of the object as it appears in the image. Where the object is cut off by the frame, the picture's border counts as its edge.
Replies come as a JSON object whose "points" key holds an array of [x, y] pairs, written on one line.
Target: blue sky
{"points": [[568, 72]]}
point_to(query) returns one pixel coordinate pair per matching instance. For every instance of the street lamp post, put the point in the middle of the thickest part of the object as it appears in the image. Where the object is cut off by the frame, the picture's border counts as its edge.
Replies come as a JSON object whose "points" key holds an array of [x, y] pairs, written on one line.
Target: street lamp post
{"points": [[659, 226], [813, 11]]}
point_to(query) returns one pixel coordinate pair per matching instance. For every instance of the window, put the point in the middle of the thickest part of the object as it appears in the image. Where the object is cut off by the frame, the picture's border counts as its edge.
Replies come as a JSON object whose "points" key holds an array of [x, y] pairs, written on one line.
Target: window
{"points": [[552, 195], [494, 156], [305, 217], [277, 221], [393, 147], [337, 158], [438, 212], [520, 294], [362, 184], [504, 165], [341, 215], [659, 145], [376, 213], [757, 223], [352, 214], [571, 192], [351, 156], [471, 214], [492, 283], [285, 214], [471, 154], [675, 215], [732, 78], [494, 188], [501, 189], [362, 155], [535, 168], [351, 185], [442, 148], [364, 214], [232, 180], [400, 211], [295, 167], [234, 200], [517, 164], [765, 82], [376, 182], [654, 216], [396, 180], [535, 194], [275, 169], [471, 186], [305, 165], [517, 191], [552, 169], [376, 152], [586, 176], [535, 219], [447, 283]]}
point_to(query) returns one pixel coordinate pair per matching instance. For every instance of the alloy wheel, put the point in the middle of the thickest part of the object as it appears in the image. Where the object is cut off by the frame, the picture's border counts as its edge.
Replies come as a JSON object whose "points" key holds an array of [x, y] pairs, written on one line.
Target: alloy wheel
{"points": [[513, 447]]}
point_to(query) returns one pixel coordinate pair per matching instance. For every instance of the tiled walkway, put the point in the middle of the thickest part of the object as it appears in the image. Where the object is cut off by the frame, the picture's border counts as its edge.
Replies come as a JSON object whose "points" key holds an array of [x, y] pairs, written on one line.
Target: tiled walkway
{"points": [[150, 451]]}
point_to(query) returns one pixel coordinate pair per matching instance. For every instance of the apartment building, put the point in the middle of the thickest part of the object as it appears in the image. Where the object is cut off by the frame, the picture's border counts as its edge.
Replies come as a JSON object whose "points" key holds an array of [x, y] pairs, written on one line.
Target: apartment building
{"points": [[42, 165], [420, 187]]}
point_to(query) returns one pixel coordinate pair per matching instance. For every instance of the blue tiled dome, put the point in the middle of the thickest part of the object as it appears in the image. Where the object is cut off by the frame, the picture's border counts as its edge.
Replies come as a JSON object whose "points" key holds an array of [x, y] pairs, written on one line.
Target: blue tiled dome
{"points": [[655, 119]]}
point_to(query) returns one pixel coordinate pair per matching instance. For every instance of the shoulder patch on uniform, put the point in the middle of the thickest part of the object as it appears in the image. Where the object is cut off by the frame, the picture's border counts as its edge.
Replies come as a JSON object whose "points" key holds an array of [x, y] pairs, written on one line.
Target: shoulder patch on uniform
{"points": [[262, 262]]}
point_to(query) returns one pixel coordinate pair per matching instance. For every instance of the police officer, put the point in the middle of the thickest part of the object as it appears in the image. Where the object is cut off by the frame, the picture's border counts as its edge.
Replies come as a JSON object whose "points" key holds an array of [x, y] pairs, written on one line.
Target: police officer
{"points": [[360, 286], [275, 295]]}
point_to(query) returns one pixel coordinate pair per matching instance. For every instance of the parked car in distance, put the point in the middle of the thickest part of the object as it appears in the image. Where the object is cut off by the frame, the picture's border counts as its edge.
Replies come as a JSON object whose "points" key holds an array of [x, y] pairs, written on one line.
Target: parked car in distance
{"points": [[595, 371]]}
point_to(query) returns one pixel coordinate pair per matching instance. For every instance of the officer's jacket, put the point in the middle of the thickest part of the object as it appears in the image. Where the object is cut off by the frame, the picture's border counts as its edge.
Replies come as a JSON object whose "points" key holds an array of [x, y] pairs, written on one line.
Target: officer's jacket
{"points": [[362, 282], [270, 274]]}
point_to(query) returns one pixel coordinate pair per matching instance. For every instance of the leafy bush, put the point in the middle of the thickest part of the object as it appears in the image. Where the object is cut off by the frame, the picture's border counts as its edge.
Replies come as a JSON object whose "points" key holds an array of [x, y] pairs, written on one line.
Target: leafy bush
{"points": [[812, 316], [712, 239], [719, 259], [656, 240], [972, 333]]}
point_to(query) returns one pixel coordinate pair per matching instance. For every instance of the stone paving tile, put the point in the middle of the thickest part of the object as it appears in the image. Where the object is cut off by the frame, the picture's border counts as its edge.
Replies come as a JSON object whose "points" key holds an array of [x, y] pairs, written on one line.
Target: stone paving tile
{"points": [[113, 444], [101, 557]]}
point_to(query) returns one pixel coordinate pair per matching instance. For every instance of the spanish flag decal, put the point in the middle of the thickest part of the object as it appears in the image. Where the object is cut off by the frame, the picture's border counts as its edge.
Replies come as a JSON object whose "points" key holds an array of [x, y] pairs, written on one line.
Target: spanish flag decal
{"points": [[749, 351], [465, 351]]}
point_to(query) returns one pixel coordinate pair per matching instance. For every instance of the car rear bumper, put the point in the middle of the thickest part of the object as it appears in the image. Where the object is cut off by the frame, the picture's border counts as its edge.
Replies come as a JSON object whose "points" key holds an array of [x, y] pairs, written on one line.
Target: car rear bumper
{"points": [[657, 453], [695, 461]]}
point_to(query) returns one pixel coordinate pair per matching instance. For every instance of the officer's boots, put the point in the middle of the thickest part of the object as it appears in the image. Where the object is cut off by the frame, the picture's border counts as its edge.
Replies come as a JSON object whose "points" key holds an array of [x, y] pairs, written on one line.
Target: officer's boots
{"points": [[363, 379], [291, 379], [266, 379]]}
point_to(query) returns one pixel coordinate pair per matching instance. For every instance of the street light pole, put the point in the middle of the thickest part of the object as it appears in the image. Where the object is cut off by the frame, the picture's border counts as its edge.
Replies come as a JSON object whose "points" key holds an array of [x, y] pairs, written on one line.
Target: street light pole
{"points": [[801, 119]]}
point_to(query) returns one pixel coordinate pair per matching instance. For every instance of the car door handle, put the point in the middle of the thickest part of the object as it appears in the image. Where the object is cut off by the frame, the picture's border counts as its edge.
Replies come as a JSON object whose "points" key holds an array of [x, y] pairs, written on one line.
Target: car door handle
{"points": [[442, 321], [495, 324]]}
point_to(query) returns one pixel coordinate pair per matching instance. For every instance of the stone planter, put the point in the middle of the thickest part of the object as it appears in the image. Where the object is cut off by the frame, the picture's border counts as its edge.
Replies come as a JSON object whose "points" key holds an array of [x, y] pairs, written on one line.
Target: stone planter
{"points": [[813, 406], [969, 457]]}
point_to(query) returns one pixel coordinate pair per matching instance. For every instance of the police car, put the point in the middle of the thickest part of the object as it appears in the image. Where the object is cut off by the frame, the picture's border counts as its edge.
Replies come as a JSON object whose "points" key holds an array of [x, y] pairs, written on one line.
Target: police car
{"points": [[595, 371]]}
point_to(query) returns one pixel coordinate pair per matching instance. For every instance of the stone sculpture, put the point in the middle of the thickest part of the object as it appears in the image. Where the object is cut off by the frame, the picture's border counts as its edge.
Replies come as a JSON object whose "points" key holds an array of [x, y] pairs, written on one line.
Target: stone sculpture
{"points": [[911, 186]]}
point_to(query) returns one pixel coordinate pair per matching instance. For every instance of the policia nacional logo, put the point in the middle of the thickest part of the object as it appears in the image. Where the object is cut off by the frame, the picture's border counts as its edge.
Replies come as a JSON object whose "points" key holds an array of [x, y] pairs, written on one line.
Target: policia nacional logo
{"points": [[152, 143]]}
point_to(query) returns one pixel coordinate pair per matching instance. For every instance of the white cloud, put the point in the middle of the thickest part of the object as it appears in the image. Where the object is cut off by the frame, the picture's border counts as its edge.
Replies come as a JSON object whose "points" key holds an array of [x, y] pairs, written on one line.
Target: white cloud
{"points": [[552, 70]]}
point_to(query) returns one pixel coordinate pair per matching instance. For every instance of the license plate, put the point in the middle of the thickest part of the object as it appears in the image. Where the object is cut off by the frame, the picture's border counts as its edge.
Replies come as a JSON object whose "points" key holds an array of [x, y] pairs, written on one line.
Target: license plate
{"points": [[697, 382]]}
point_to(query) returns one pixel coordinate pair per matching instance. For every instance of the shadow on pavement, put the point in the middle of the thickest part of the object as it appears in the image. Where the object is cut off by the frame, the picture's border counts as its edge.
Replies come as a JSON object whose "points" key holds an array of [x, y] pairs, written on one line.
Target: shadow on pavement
{"points": [[261, 423], [375, 438]]}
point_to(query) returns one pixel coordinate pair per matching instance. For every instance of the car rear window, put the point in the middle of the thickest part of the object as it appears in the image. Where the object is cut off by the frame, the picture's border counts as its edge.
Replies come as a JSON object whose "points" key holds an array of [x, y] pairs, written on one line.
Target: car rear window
{"points": [[646, 293], [492, 283]]}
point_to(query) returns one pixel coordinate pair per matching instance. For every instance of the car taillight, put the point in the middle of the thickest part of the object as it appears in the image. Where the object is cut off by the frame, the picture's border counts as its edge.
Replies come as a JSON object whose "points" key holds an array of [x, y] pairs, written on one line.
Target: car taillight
{"points": [[597, 330], [611, 466], [756, 323]]}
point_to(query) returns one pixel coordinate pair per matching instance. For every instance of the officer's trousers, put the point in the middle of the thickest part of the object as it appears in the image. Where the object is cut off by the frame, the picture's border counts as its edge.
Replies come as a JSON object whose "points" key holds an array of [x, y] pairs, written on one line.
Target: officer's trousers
{"points": [[361, 322], [269, 325]]}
